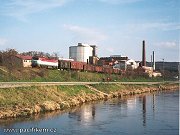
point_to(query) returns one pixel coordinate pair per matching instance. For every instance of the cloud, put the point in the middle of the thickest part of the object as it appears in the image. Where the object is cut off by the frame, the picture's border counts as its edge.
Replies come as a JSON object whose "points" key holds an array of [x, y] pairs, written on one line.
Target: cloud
{"points": [[3, 41], [85, 34], [168, 45], [120, 1], [21, 8]]}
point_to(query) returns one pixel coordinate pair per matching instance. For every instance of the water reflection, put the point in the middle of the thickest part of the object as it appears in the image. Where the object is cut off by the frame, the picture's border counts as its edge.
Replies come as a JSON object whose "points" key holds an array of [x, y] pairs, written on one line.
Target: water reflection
{"points": [[153, 102], [93, 111], [86, 114], [131, 103], [153, 105], [9, 122], [113, 116], [144, 110], [142, 100], [122, 107]]}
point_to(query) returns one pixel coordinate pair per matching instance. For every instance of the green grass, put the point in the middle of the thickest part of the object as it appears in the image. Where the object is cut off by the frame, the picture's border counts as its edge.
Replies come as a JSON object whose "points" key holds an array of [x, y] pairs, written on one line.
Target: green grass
{"points": [[10, 97], [43, 75], [74, 89], [21, 95], [107, 88], [140, 79]]}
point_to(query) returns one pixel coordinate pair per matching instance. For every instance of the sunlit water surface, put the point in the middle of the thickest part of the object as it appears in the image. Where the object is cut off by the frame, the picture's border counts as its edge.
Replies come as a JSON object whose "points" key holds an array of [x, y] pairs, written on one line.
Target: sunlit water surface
{"points": [[148, 114]]}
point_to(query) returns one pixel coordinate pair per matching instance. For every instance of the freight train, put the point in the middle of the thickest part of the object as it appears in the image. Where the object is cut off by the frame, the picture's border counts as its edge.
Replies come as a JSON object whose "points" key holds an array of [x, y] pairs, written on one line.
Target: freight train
{"points": [[44, 62], [83, 66], [71, 65]]}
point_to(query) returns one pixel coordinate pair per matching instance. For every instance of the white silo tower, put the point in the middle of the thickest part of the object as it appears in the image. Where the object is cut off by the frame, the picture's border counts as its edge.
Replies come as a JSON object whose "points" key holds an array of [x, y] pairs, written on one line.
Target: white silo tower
{"points": [[81, 52]]}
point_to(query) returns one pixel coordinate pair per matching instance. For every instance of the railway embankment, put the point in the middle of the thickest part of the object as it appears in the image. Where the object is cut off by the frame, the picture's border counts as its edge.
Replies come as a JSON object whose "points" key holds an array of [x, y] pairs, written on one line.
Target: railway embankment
{"points": [[31, 100]]}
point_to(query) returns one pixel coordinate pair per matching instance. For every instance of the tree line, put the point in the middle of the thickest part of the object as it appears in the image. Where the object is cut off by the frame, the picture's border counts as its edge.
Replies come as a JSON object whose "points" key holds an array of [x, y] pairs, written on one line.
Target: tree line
{"points": [[7, 57]]}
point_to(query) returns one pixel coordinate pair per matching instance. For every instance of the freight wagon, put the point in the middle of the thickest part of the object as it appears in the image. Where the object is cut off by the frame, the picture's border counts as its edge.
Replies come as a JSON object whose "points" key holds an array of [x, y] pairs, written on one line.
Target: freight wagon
{"points": [[107, 69], [75, 65], [99, 69], [88, 67], [64, 64], [70, 65], [82, 66]]}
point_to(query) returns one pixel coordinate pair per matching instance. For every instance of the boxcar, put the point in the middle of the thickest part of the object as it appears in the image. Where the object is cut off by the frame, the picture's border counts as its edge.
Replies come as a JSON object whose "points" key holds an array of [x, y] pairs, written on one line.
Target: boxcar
{"points": [[99, 69], [63, 64], [108, 70], [89, 68], [75, 65]]}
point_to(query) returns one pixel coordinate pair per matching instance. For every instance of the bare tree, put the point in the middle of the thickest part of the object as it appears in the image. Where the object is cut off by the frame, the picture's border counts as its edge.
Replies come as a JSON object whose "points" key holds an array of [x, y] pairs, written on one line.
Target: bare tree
{"points": [[8, 60], [55, 55]]}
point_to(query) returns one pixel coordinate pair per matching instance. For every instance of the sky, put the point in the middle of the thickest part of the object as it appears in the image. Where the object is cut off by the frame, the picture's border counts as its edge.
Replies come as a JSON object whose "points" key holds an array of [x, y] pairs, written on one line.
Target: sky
{"points": [[117, 27]]}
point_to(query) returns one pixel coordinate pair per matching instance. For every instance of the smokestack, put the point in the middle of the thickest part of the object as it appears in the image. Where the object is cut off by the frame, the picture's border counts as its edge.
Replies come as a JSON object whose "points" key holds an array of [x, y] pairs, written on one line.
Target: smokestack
{"points": [[94, 52], [143, 54], [154, 61]]}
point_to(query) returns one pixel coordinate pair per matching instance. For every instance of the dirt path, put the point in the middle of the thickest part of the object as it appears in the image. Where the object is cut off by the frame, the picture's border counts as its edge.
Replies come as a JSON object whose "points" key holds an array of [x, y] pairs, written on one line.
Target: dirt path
{"points": [[26, 84]]}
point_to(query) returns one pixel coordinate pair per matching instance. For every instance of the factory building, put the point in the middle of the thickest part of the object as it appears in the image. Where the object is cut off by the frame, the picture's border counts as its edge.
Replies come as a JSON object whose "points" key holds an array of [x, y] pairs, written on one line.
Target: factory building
{"points": [[113, 59], [150, 71], [126, 65], [82, 52]]}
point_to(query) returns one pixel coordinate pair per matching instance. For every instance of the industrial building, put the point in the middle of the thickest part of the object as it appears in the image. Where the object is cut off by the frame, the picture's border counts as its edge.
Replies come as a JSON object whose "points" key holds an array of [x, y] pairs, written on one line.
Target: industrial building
{"points": [[82, 52], [129, 64], [149, 70], [112, 60]]}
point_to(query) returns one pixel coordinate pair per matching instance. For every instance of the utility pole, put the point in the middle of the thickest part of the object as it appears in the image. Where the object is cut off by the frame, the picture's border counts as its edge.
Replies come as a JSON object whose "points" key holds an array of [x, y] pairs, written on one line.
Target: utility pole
{"points": [[153, 57], [151, 62]]}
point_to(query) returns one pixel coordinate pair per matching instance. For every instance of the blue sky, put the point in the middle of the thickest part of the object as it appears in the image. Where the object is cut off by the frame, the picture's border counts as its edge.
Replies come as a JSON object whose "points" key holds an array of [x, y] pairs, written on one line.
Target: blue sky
{"points": [[117, 27]]}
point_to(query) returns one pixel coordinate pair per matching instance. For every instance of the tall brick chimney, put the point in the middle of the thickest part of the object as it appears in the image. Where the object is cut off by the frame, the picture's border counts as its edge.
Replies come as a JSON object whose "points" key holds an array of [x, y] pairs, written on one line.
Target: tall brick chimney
{"points": [[143, 54]]}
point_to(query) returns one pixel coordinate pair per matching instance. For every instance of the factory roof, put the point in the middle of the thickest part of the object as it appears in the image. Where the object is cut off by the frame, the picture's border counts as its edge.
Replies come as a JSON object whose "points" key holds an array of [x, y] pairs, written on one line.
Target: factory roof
{"points": [[83, 45]]}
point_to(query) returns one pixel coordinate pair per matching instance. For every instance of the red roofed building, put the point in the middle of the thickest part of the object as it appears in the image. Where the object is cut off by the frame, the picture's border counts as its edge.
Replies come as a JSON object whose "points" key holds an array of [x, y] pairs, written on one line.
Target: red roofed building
{"points": [[25, 61]]}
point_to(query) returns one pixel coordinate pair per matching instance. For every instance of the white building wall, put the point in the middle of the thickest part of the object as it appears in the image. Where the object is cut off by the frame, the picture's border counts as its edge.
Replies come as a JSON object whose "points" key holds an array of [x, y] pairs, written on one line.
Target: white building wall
{"points": [[80, 52], [131, 64], [27, 63]]}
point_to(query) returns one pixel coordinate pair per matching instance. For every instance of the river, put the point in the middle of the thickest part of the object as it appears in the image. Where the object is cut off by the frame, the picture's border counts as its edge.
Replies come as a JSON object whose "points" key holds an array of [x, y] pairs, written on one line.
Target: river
{"points": [[147, 114]]}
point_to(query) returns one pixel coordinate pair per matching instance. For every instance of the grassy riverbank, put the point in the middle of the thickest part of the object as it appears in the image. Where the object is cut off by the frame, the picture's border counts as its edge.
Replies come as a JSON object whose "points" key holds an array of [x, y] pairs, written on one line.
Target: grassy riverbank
{"points": [[48, 75], [25, 101], [28, 96]]}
